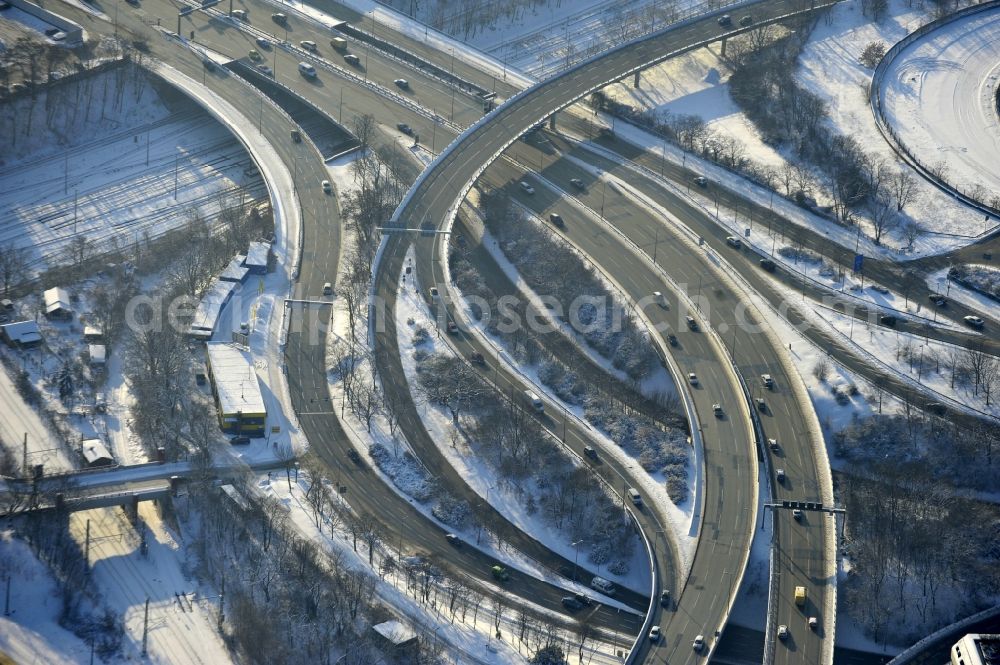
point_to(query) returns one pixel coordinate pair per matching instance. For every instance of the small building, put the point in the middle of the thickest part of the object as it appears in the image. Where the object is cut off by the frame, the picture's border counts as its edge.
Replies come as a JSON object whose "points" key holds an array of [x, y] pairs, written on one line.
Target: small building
{"points": [[93, 334], [234, 385], [57, 303], [257, 257], [976, 649], [98, 355], [235, 271], [21, 334], [395, 634], [95, 453], [207, 315]]}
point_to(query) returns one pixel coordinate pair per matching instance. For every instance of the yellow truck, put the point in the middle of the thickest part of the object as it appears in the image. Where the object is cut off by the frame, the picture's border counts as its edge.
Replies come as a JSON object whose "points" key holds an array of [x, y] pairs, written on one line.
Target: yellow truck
{"points": [[800, 596]]}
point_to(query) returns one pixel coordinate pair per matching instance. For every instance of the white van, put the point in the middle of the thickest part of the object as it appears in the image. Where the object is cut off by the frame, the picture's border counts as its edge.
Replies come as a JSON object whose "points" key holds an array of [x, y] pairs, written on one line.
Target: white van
{"points": [[534, 401], [633, 494], [602, 585], [308, 45], [307, 70]]}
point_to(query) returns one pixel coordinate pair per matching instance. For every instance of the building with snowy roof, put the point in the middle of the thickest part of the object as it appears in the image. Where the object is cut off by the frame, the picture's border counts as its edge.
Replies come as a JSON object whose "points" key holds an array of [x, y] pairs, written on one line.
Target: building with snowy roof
{"points": [[21, 334], [207, 315], [257, 257], [57, 303], [234, 385], [98, 355], [235, 271], [395, 634], [95, 453]]}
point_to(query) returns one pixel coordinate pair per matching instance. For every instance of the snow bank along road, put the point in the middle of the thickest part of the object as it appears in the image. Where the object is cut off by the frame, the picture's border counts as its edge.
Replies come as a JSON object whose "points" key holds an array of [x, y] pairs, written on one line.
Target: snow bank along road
{"points": [[939, 98], [435, 197]]}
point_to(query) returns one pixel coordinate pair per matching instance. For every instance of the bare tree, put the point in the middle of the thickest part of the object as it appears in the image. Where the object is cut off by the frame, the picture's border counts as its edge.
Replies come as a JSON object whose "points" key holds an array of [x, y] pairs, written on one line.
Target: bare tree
{"points": [[13, 266], [903, 186]]}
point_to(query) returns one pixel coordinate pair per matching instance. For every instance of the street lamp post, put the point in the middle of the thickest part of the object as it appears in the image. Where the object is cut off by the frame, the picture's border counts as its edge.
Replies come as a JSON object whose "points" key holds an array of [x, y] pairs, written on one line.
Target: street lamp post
{"points": [[576, 556]]}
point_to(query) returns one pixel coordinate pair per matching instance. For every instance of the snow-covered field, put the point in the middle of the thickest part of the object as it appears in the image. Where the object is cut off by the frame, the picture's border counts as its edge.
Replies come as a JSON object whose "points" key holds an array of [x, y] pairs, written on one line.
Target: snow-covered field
{"points": [[149, 166], [939, 96]]}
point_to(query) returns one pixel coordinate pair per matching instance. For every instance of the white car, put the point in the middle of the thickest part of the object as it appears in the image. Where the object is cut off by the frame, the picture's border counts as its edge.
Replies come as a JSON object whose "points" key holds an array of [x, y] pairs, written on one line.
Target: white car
{"points": [[699, 643], [654, 634], [782, 632], [528, 189], [693, 378], [402, 83], [734, 241], [327, 187], [717, 410], [974, 321], [661, 300]]}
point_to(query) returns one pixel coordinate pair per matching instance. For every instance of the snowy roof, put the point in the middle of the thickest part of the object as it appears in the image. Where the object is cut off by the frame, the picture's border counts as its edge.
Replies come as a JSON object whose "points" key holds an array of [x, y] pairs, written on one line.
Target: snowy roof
{"points": [[94, 451], [23, 332], [92, 331], [235, 271], [257, 254], [98, 354], [207, 314], [235, 379], [56, 298], [395, 631]]}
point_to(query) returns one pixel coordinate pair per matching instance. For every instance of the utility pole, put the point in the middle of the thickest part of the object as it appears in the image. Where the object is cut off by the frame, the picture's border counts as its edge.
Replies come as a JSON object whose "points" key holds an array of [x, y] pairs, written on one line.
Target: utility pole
{"points": [[145, 629], [86, 549], [222, 607], [24, 463], [6, 601]]}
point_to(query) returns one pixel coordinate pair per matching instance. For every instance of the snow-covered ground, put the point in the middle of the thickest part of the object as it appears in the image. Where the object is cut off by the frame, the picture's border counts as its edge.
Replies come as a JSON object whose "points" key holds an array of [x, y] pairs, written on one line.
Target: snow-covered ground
{"points": [[939, 96], [116, 181]]}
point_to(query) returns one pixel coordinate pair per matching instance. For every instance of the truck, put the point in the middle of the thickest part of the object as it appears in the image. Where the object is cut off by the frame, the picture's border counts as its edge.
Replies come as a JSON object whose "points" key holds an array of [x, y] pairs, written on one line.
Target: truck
{"points": [[339, 44], [800, 596]]}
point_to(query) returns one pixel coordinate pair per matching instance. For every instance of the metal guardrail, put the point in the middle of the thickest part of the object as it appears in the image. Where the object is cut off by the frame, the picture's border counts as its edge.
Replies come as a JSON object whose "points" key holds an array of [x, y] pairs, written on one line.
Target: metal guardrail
{"points": [[875, 102]]}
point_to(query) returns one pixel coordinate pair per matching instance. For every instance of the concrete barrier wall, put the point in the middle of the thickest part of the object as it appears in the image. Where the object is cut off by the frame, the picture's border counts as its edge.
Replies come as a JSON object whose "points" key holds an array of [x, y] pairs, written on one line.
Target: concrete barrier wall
{"points": [[74, 33]]}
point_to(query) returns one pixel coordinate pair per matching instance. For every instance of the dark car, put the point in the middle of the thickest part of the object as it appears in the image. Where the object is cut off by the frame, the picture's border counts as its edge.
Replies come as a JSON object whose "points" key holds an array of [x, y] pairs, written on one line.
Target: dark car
{"points": [[938, 299], [725, 20], [582, 598], [453, 540], [405, 128], [665, 598], [354, 456], [571, 603], [297, 136], [767, 264], [746, 20], [239, 440], [477, 358], [887, 320], [672, 339], [557, 220], [576, 182], [590, 452]]}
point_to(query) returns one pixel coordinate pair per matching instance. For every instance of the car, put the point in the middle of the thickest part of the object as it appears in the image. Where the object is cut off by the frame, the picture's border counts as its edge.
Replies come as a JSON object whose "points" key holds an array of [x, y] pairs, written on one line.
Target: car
{"points": [[661, 300], [813, 623], [746, 20], [279, 18], [56, 36], [773, 445], [453, 540], [238, 14], [134, 3], [691, 323], [255, 55], [353, 455], [973, 321], [699, 643], [797, 515], [571, 603], [476, 358], [557, 220], [500, 573], [767, 381], [590, 452], [664, 598], [701, 181], [672, 339], [327, 289], [878, 288], [352, 59], [265, 70], [654, 634], [725, 20], [582, 598], [264, 43], [693, 378], [528, 189], [576, 182], [767, 264], [938, 299], [308, 45], [937, 408], [327, 187], [733, 241], [405, 128], [717, 410], [452, 328], [780, 474], [240, 440], [782, 632], [887, 320], [761, 406], [296, 136], [100, 404], [402, 83]]}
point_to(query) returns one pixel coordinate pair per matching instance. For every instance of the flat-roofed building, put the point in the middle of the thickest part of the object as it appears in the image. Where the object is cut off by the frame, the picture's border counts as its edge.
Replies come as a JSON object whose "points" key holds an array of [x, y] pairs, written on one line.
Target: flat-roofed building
{"points": [[237, 394]]}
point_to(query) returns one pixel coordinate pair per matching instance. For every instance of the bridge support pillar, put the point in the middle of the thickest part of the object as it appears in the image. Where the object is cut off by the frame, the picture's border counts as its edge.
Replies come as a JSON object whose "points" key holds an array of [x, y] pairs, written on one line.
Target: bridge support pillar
{"points": [[552, 122], [724, 48], [635, 80], [133, 509]]}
